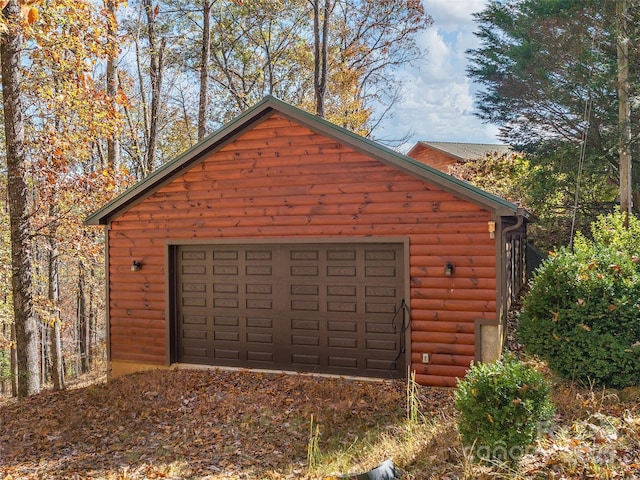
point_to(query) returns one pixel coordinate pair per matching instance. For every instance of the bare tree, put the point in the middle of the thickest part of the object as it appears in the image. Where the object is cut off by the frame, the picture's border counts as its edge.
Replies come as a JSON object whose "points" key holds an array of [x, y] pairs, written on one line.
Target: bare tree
{"points": [[205, 54], [156, 51], [113, 145], [321, 16]]}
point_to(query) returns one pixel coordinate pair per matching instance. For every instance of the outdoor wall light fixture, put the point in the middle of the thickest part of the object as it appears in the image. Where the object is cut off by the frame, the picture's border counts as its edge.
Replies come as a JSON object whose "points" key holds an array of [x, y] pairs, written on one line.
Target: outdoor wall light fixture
{"points": [[448, 269], [136, 265], [492, 229]]}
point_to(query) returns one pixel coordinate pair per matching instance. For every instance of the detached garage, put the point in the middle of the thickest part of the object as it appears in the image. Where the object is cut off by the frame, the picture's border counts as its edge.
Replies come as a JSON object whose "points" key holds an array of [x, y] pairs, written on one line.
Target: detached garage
{"points": [[284, 242]]}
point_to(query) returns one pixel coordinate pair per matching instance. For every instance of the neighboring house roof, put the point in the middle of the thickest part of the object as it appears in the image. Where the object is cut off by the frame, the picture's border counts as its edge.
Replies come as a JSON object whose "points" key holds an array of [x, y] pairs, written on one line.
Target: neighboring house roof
{"points": [[464, 151], [264, 109]]}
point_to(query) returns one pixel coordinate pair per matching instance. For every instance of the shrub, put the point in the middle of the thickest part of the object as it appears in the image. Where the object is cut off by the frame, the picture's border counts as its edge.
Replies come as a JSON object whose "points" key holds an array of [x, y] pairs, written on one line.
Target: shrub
{"points": [[582, 313], [500, 407]]}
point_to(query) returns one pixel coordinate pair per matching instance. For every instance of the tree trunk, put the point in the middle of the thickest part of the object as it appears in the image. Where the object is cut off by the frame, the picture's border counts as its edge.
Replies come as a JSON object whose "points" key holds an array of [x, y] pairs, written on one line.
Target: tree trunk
{"points": [[113, 145], [26, 323], [82, 321], [624, 111], [320, 34], [14, 363], [155, 70], [53, 294], [204, 69], [7, 377], [91, 326], [45, 364], [57, 362]]}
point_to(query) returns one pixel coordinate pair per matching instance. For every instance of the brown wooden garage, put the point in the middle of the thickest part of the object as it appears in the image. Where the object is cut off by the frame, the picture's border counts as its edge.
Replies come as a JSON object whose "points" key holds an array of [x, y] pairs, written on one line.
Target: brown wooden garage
{"points": [[282, 241], [326, 308]]}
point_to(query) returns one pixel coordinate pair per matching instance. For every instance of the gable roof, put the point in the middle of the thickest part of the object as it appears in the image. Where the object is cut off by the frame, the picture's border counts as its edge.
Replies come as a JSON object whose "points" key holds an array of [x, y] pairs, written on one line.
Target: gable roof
{"points": [[260, 112], [464, 151]]}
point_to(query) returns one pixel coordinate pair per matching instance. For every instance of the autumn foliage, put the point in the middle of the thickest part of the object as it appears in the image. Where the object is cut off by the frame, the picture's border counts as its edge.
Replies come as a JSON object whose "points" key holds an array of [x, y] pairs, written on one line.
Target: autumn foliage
{"points": [[190, 424]]}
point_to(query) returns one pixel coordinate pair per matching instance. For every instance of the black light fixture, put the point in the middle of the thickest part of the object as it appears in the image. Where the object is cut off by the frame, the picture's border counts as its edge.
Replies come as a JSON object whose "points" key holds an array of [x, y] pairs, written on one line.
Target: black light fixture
{"points": [[136, 265], [448, 269]]}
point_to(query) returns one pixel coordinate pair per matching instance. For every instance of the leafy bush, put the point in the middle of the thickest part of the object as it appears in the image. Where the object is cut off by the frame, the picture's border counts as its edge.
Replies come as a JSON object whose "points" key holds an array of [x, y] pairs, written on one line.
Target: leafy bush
{"points": [[501, 405], [582, 314]]}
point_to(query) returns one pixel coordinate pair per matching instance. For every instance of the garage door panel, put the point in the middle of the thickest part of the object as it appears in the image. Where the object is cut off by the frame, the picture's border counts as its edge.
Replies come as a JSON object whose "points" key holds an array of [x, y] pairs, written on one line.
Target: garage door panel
{"points": [[343, 362], [305, 340], [259, 322], [256, 337], [259, 289], [297, 254], [342, 326], [380, 291], [305, 324], [333, 253], [385, 328], [194, 301], [196, 353], [342, 307], [226, 303], [226, 254], [194, 270], [259, 304], [260, 357], [384, 308], [258, 270], [378, 271], [342, 342], [381, 344], [225, 288], [341, 271], [195, 334], [228, 320], [342, 290], [228, 336], [194, 319], [381, 366], [305, 306], [304, 290], [194, 287], [323, 308], [225, 354], [305, 360], [304, 271], [230, 270]]}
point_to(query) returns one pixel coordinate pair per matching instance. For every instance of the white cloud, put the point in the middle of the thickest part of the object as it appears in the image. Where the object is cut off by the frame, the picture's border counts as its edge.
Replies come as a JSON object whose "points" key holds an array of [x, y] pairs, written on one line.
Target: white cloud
{"points": [[453, 15], [438, 104]]}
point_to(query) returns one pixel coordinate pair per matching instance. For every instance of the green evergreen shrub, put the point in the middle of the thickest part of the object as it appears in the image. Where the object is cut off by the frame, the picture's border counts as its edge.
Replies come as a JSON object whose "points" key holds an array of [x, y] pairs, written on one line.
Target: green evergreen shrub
{"points": [[501, 407], [582, 313]]}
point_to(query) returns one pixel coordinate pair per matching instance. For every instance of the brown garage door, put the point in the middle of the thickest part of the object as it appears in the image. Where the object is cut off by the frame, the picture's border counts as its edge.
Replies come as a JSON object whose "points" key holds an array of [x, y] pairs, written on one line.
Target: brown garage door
{"points": [[328, 308]]}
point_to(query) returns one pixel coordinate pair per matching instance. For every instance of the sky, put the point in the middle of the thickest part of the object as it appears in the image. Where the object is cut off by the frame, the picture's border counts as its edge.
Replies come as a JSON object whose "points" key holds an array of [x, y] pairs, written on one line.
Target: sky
{"points": [[438, 102]]}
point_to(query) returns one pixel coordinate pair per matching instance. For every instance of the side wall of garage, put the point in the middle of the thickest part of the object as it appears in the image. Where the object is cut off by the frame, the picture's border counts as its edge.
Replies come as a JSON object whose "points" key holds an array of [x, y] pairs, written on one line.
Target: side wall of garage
{"points": [[280, 180]]}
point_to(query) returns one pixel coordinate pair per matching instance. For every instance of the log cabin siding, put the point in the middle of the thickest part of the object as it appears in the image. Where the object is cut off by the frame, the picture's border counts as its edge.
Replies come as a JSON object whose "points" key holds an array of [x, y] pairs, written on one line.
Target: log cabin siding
{"points": [[282, 180], [435, 158]]}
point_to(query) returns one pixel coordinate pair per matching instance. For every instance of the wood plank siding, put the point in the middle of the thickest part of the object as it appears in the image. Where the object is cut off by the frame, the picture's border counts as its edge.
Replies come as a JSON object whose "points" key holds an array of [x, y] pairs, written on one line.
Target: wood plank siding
{"points": [[435, 158], [282, 180]]}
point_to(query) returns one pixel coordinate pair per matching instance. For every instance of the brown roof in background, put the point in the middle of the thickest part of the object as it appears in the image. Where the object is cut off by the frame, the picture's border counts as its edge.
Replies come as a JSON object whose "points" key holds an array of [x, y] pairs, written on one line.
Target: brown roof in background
{"points": [[465, 151]]}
